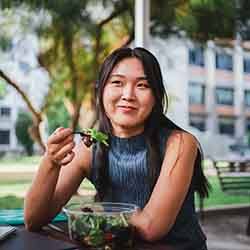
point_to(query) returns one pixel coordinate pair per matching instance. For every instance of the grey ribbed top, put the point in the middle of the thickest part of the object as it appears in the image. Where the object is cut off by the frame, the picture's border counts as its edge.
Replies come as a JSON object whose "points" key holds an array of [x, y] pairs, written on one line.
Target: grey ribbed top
{"points": [[128, 176]]}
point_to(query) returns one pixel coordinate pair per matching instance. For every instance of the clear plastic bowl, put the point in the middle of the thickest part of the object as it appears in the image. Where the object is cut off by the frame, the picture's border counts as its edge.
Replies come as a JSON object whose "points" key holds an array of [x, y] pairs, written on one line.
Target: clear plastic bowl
{"points": [[101, 225]]}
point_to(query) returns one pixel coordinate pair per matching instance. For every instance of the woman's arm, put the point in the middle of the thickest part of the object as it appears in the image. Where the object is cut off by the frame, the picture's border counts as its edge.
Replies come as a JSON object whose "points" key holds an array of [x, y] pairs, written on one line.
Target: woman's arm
{"points": [[159, 214], [60, 173]]}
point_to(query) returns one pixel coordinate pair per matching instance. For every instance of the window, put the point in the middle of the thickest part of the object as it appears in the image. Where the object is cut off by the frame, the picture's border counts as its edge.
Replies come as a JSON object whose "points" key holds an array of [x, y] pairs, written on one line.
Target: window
{"points": [[224, 61], [247, 125], [4, 137], [246, 65], [196, 56], [5, 112], [196, 93], [224, 96], [25, 67], [198, 122], [247, 98], [226, 126]]}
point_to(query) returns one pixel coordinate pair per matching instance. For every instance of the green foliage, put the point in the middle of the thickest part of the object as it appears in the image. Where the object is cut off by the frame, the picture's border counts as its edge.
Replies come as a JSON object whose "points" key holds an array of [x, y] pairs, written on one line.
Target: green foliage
{"points": [[57, 116], [211, 18], [5, 43], [201, 19], [164, 15], [24, 121], [97, 135]]}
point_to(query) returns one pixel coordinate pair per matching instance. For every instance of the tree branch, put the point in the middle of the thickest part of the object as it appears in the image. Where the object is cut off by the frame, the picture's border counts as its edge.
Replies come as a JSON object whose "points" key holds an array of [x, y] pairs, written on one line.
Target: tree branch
{"points": [[113, 15], [21, 92]]}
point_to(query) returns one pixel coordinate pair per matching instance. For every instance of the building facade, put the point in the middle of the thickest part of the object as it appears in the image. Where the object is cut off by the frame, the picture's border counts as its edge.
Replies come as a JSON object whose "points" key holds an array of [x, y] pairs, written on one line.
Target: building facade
{"points": [[209, 85], [219, 90]]}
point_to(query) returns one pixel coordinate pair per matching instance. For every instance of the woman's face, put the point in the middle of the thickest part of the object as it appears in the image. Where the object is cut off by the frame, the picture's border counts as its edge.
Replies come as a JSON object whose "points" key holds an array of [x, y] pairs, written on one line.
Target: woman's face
{"points": [[127, 98]]}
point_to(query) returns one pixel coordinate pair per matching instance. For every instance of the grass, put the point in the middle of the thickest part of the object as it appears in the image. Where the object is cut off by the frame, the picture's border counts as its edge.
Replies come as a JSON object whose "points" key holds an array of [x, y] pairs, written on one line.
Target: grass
{"points": [[22, 160], [11, 192], [17, 188], [11, 202], [219, 198]]}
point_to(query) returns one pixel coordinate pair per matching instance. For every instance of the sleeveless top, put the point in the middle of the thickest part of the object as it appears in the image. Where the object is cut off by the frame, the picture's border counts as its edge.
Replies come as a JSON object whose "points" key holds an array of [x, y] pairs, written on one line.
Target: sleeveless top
{"points": [[128, 178]]}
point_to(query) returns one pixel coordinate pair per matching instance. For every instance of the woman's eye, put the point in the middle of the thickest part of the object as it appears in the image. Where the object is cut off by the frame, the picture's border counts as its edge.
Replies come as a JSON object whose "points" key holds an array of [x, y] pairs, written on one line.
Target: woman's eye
{"points": [[142, 85], [116, 83]]}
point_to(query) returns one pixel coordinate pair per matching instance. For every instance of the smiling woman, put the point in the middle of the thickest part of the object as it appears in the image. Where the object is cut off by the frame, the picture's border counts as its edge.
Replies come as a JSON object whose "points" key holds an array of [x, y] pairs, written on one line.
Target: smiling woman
{"points": [[149, 161]]}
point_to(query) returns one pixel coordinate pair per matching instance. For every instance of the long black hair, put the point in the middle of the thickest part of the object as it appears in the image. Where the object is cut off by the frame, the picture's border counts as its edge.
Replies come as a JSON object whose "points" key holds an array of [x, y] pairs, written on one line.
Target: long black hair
{"points": [[155, 121]]}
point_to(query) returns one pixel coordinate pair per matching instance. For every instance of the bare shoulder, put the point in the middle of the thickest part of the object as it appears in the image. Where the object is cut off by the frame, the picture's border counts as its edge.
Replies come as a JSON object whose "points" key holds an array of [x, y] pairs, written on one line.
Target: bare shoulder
{"points": [[182, 142], [181, 151]]}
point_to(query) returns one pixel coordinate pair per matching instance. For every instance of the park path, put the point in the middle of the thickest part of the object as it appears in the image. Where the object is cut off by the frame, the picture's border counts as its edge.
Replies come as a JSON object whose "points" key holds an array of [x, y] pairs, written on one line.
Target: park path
{"points": [[226, 232]]}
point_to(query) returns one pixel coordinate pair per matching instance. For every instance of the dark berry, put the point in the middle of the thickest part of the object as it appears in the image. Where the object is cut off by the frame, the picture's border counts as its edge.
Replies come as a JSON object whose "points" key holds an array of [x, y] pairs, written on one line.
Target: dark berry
{"points": [[87, 209], [87, 140]]}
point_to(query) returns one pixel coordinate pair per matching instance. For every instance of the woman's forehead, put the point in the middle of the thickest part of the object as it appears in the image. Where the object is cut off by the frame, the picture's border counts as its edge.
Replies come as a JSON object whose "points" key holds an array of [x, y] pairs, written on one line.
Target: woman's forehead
{"points": [[128, 66]]}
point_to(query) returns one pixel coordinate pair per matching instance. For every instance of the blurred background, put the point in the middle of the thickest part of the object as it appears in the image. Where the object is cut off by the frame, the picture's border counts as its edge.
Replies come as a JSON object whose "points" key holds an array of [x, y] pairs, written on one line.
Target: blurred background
{"points": [[50, 53]]}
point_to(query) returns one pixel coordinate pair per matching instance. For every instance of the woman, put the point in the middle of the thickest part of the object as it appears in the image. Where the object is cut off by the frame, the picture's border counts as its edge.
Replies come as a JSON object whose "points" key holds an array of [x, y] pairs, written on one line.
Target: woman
{"points": [[150, 161]]}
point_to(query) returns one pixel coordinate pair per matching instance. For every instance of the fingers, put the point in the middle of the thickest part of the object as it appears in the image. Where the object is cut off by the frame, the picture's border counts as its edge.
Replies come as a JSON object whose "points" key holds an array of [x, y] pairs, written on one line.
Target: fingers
{"points": [[60, 135], [58, 129], [60, 145], [68, 158], [59, 155], [57, 146]]}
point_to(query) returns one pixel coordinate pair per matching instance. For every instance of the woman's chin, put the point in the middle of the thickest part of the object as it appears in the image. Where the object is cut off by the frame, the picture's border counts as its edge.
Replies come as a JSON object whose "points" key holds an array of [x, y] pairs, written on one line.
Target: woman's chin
{"points": [[128, 125]]}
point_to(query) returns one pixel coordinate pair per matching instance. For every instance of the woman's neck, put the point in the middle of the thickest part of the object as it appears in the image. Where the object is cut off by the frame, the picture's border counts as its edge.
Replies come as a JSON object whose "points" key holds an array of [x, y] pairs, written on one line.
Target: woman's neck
{"points": [[127, 132]]}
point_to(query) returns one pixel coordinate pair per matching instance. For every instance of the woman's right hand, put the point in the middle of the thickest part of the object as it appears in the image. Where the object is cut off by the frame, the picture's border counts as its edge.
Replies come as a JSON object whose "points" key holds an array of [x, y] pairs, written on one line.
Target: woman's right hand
{"points": [[59, 148]]}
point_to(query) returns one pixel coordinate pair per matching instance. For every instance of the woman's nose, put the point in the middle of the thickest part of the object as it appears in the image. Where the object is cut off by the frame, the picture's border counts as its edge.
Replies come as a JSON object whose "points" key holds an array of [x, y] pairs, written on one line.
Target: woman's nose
{"points": [[128, 92]]}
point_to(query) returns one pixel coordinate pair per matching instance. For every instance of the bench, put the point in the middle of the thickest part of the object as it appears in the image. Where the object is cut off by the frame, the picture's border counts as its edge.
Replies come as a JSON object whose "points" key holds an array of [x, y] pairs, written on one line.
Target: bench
{"points": [[234, 179]]}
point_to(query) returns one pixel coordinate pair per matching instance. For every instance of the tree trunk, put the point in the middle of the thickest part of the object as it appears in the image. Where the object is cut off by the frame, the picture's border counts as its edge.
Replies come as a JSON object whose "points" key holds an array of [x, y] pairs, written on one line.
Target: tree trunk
{"points": [[75, 116], [35, 133]]}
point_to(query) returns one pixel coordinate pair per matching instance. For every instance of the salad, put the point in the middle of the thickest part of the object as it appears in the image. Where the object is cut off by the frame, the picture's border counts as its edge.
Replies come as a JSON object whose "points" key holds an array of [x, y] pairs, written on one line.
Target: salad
{"points": [[100, 230], [91, 135]]}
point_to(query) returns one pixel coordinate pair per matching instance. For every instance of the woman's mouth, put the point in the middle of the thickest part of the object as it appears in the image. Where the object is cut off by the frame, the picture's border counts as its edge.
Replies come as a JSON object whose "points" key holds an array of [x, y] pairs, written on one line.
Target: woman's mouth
{"points": [[126, 108]]}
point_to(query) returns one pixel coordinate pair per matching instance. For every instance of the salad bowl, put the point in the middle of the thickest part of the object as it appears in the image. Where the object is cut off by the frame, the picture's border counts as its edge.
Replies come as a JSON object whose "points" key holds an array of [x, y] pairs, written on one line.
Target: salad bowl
{"points": [[101, 225]]}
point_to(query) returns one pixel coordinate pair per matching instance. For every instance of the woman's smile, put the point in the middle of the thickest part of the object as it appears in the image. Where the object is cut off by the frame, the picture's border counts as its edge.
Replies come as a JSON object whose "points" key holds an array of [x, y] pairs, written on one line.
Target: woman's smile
{"points": [[126, 108]]}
